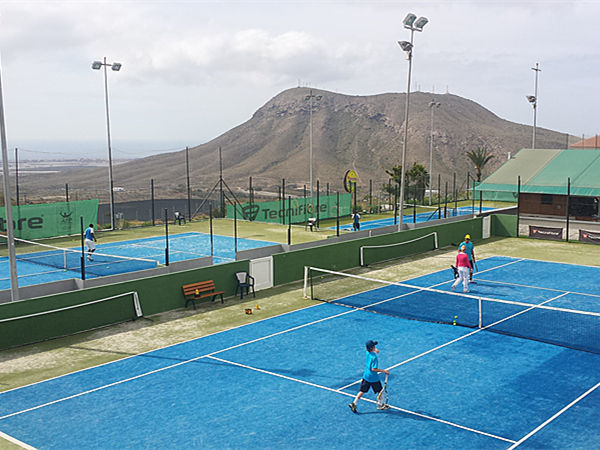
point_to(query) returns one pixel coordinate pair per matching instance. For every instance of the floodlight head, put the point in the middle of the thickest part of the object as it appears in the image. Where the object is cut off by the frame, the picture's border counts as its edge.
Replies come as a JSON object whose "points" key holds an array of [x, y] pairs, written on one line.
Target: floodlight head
{"points": [[531, 99], [409, 20], [420, 23], [307, 97], [318, 97], [434, 103], [96, 65], [116, 67], [406, 46]]}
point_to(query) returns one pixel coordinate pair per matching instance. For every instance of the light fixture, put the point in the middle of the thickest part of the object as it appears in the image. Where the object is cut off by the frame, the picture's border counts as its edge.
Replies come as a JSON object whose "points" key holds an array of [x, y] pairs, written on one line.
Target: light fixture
{"points": [[409, 20], [96, 65], [116, 67]]}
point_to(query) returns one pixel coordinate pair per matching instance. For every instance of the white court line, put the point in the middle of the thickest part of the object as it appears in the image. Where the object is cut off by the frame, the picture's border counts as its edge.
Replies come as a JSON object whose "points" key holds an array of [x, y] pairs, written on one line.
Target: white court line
{"points": [[16, 441], [338, 391], [531, 433], [461, 338], [537, 287]]}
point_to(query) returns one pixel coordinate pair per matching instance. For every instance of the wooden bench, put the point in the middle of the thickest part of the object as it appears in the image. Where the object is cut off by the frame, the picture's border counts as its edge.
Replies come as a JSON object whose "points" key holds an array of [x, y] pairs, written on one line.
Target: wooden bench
{"points": [[198, 291]]}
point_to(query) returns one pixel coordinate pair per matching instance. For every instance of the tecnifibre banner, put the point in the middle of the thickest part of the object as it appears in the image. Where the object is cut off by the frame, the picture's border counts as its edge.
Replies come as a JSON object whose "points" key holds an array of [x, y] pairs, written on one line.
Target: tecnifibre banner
{"points": [[50, 219], [589, 236], [300, 209], [545, 233]]}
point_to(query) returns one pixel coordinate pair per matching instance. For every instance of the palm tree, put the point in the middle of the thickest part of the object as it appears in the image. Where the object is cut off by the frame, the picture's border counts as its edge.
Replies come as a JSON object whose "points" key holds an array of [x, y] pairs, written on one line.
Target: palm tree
{"points": [[420, 179], [479, 158]]}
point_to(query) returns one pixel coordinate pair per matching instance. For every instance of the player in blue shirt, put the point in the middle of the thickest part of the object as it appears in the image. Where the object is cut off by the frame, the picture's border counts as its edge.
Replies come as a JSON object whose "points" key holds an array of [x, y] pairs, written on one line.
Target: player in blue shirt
{"points": [[370, 377], [90, 238], [470, 253]]}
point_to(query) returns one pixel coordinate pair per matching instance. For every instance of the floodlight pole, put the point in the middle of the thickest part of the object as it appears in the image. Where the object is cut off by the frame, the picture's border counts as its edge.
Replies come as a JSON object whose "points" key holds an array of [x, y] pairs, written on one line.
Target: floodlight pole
{"points": [[116, 67], [432, 105], [534, 103], [408, 24], [12, 257], [310, 97]]}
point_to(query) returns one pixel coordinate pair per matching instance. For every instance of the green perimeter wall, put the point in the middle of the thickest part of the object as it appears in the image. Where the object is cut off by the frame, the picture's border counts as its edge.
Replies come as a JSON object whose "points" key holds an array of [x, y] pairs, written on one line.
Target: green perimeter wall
{"points": [[157, 294], [345, 255], [503, 225]]}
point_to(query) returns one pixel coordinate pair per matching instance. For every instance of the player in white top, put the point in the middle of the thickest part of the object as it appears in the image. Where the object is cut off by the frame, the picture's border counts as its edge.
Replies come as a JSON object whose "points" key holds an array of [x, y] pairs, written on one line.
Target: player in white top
{"points": [[90, 238]]}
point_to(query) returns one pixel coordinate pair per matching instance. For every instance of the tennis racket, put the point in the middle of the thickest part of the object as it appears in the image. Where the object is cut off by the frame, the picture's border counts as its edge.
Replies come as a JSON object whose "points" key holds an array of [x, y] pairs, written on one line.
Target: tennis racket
{"points": [[382, 397], [454, 272]]}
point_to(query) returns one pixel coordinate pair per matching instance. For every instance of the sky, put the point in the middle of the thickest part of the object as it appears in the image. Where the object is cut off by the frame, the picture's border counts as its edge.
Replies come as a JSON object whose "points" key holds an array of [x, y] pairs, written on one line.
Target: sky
{"points": [[192, 70]]}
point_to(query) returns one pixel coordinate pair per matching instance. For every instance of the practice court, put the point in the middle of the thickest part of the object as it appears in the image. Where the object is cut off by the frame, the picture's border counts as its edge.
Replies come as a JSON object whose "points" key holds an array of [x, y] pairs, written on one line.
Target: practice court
{"points": [[287, 381], [52, 265]]}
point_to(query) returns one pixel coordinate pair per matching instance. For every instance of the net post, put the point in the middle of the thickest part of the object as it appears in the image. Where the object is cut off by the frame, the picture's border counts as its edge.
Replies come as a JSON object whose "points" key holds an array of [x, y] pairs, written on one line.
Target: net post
{"points": [[480, 312], [435, 240], [305, 291], [137, 305], [362, 259]]}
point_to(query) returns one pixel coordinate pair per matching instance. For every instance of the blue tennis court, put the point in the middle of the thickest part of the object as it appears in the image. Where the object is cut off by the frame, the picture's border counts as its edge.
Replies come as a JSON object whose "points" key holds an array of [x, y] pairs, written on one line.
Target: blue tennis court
{"points": [[287, 381], [408, 218], [54, 265]]}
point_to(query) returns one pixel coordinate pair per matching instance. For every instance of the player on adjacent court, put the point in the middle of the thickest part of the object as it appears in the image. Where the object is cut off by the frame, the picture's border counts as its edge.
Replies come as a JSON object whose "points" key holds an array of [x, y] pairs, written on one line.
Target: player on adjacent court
{"points": [[370, 378], [470, 253], [463, 265], [356, 221], [90, 238]]}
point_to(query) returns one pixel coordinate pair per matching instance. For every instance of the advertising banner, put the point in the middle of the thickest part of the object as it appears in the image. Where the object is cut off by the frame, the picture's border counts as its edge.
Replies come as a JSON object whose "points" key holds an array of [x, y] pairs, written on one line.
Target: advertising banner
{"points": [[589, 236], [301, 209], [545, 233], [50, 219]]}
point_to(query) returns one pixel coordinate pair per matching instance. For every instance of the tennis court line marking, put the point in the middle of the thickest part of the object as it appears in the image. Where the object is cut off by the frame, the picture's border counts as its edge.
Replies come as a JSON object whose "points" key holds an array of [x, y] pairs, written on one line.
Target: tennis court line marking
{"points": [[16, 441], [542, 425], [338, 391], [538, 287], [460, 338], [155, 350], [115, 383]]}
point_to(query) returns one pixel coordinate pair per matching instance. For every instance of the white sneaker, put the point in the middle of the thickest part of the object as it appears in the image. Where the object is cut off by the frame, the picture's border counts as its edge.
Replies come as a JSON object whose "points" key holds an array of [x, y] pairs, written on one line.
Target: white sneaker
{"points": [[386, 406]]}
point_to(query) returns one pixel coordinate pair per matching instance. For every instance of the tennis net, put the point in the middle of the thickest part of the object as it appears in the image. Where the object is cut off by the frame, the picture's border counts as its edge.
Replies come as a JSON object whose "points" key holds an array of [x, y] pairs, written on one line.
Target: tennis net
{"points": [[541, 322], [370, 254], [70, 259], [70, 319]]}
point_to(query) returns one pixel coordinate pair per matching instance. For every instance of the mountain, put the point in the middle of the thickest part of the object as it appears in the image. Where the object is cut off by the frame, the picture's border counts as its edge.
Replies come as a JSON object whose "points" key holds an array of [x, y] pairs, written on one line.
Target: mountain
{"points": [[364, 133]]}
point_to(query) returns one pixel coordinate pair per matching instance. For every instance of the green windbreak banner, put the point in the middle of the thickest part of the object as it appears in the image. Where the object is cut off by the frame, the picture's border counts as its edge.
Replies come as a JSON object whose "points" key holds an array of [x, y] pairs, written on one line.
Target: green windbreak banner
{"points": [[300, 209], [50, 219]]}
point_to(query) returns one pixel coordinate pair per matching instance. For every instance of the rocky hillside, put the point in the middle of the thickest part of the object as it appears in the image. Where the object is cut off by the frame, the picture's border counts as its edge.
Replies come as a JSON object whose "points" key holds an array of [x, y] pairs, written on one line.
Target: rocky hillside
{"points": [[364, 133]]}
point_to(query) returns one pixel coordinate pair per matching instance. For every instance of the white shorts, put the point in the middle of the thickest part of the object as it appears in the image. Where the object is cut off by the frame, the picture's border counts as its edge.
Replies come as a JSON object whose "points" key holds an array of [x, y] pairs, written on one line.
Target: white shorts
{"points": [[91, 245]]}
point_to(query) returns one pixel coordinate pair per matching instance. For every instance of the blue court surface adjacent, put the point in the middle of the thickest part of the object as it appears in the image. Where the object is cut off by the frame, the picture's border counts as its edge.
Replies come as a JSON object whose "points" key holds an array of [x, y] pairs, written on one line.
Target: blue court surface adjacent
{"points": [[286, 382], [121, 257], [408, 218]]}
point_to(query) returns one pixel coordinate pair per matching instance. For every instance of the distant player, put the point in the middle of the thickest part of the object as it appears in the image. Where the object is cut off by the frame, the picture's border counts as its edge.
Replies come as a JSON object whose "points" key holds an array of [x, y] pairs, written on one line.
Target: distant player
{"points": [[462, 265], [370, 377], [470, 253], [356, 221], [90, 239]]}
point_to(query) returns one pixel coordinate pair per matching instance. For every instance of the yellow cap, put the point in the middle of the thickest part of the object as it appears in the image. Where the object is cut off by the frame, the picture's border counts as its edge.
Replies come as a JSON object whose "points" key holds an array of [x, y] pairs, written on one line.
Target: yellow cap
{"points": [[468, 236]]}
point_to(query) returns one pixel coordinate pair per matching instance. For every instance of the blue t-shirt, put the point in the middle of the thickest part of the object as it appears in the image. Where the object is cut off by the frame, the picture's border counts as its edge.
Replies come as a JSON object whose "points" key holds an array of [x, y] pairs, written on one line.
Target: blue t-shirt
{"points": [[89, 234], [469, 248], [370, 375]]}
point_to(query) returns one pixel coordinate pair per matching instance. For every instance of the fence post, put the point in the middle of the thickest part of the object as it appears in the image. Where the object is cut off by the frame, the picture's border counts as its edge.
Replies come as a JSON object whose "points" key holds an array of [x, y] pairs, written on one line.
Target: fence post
{"points": [[439, 196], [289, 220], [318, 202], [337, 220], [568, 198], [518, 201], [152, 196], [210, 215], [166, 237]]}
